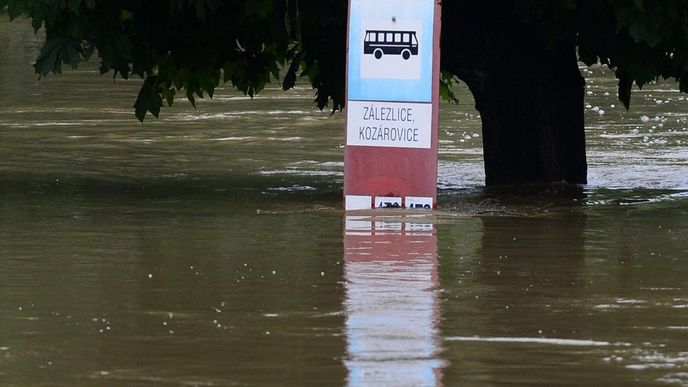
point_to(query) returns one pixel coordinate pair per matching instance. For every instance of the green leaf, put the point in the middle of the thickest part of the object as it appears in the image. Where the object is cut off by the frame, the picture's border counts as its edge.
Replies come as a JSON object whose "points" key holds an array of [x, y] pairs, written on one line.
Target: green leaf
{"points": [[71, 55], [191, 87], [290, 76], [259, 8], [169, 95], [126, 15], [641, 31], [447, 87], [148, 99], [200, 9], [55, 52], [683, 83], [74, 5], [625, 84], [15, 8]]}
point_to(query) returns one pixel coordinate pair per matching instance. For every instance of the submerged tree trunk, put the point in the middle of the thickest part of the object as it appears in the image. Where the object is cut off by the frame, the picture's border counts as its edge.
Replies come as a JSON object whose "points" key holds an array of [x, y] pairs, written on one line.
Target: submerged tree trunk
{"points": [[530, 97]]}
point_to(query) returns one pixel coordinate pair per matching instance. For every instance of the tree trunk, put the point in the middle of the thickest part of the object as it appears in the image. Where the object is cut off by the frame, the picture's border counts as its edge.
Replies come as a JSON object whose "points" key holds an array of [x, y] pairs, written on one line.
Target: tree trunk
{"points": [[530, 98]]}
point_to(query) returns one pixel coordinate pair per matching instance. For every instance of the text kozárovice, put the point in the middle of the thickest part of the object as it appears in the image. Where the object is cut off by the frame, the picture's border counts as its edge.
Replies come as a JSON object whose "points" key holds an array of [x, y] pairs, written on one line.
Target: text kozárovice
{"points": [[386, 133]]}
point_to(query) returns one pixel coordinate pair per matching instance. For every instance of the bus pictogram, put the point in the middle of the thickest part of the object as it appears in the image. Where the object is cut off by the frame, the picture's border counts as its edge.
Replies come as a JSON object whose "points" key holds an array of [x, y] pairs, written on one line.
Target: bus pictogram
{"points": [[379, 42]]}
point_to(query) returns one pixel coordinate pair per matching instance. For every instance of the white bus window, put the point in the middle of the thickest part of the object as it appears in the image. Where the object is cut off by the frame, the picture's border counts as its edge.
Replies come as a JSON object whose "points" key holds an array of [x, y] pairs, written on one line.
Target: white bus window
{"points": [[380, 37], [397, 38], [389, 37], [372, 37], [406, 37]]}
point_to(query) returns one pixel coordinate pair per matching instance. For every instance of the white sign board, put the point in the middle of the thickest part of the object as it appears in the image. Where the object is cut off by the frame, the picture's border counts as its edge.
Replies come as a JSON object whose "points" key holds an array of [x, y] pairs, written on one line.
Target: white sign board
{"points": [[389, 124]]}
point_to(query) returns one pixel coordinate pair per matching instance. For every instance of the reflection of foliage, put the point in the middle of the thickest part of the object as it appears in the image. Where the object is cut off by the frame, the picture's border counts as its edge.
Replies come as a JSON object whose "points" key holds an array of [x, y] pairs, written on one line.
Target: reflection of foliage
{"points": [[193, 45]]}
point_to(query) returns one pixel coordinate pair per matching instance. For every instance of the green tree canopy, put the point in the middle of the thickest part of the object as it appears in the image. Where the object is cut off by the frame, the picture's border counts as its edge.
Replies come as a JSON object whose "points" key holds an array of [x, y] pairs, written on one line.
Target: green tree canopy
{"points": [[192, 46], [640, 40]]}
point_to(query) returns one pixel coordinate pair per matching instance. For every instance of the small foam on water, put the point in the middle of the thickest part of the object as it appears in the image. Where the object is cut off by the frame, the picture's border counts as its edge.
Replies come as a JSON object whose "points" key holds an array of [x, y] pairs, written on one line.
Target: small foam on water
{"points": [[534, 340]]}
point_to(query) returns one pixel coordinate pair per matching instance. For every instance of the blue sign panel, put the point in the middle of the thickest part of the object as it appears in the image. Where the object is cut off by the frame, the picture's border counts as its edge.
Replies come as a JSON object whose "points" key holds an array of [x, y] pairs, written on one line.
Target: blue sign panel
{"points": [[390, 50]]}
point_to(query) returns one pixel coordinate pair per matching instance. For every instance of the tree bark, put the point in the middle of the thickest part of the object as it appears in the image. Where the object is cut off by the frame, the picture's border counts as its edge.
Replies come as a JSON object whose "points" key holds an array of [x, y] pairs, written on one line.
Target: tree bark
{"points": [[530, 97]]}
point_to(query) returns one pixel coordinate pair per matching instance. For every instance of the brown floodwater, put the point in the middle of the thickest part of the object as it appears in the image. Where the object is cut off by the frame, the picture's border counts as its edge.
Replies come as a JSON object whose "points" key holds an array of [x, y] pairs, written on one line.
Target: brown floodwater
{"points": [[210, 248]]}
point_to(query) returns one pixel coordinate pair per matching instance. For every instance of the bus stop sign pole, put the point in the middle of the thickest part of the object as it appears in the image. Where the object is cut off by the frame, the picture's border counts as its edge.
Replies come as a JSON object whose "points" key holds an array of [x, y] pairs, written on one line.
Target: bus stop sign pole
{"points": [[390, 156]]}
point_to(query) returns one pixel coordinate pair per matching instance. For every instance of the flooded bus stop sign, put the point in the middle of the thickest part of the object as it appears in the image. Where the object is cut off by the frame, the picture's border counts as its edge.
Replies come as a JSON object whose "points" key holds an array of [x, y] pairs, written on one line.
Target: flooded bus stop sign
{"points": [[390, 157]]}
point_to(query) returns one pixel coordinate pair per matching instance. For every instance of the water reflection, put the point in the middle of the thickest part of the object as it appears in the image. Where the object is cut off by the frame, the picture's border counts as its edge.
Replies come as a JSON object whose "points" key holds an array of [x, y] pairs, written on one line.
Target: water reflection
{"points": [[518, 296], [392, 305], [529, 264]]}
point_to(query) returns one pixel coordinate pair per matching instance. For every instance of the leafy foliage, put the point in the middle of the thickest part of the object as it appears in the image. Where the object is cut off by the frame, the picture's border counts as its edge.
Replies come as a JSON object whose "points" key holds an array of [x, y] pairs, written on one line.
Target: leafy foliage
{"points": [[447, 84], [193, 45], [641, 40]]}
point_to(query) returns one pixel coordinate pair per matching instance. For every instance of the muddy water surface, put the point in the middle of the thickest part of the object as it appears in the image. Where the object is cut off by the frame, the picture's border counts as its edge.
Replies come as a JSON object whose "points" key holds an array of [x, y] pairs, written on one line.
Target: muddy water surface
{"points": [[209, 247]]}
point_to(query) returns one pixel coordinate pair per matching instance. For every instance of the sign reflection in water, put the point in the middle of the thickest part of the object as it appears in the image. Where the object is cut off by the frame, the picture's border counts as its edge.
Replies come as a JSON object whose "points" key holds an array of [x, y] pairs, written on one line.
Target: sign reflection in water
{"points": [[392, 305]]}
